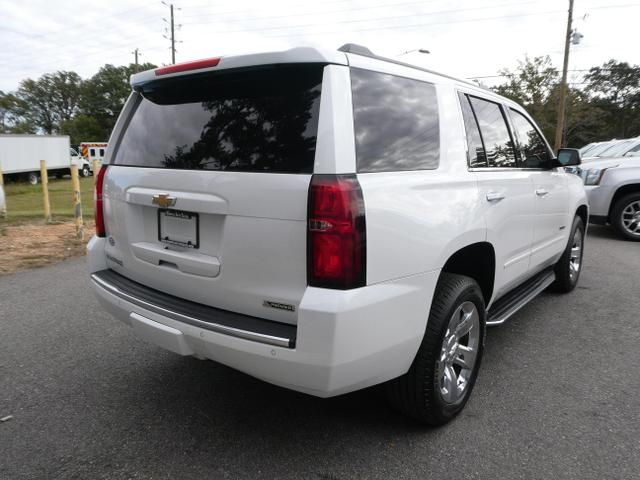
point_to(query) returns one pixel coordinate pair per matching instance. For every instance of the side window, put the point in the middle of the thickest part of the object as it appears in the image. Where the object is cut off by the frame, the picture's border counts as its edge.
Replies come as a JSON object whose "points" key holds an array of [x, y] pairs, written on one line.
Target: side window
{"points": [[101, 152], [495, 134], [396, 123], [477, 157], [536, 154], [92, 152]]}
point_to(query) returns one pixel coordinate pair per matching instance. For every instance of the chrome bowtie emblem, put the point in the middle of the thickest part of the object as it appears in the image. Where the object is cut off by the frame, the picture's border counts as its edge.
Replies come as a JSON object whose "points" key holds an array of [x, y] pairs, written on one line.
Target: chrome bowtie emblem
{"points": [[164, 200]]}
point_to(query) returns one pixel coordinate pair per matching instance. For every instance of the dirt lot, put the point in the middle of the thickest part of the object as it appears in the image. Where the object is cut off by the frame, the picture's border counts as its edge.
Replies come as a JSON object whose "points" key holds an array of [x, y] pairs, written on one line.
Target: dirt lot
{"points": [[32, 245]]}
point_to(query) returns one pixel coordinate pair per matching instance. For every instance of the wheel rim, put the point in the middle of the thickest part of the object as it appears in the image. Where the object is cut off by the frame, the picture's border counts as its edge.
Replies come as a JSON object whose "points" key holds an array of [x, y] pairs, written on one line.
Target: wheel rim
{"points": [[459, 353], [631, 218], [575, 259]]}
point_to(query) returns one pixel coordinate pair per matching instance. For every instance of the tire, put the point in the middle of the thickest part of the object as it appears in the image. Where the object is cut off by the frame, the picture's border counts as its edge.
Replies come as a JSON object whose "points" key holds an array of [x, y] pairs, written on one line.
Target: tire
{"points": [[421, 393], [33, 178], [85, 171], [569, 267], [625, 217]]}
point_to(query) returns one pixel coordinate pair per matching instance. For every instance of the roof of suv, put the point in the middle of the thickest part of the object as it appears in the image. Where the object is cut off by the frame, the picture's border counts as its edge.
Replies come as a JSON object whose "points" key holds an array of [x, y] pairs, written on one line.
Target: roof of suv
{"points": [[294, 55]]}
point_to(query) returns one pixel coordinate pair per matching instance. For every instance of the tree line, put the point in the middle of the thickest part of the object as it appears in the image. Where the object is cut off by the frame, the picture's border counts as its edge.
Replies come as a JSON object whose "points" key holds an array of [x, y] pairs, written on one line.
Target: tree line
{"points": [[64, 103], [604, 104]]}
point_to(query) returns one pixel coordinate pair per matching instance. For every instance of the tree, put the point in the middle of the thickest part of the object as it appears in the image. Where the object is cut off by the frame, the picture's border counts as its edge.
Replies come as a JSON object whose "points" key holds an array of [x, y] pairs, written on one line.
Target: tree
{"points": [[615, 88], [10, 115], [48, 101], [104, 94], [82, 128], [532, 85]]}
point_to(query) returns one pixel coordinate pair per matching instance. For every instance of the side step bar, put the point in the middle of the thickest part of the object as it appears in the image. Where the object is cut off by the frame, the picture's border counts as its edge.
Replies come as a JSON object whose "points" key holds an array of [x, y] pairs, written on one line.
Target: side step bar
{"points": [[517, 298]]}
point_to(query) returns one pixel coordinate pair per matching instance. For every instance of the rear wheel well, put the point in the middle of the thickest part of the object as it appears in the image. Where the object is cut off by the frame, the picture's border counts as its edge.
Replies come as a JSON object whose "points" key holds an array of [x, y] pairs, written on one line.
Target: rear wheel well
{"points": [[621, 192], [477, 261]]}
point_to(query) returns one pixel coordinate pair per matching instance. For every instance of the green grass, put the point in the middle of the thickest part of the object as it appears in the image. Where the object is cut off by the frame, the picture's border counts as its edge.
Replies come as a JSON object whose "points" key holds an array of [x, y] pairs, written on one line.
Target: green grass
{"points": [[25, 204]]}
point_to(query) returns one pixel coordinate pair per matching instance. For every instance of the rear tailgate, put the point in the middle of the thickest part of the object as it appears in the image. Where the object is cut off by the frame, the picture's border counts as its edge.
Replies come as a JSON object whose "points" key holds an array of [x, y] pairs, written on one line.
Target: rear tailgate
{"points": [[206, 193]]}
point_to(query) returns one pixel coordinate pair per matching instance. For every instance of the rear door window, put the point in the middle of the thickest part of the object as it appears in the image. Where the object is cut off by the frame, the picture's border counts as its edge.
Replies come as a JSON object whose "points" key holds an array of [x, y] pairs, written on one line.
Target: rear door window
{"points": [[477, 156], [262, 119], [495, 133], [396, 122]]}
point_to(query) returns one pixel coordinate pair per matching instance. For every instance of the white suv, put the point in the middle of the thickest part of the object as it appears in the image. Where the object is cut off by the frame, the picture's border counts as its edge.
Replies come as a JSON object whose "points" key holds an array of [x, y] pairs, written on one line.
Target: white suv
{"points": [[328, 221]]}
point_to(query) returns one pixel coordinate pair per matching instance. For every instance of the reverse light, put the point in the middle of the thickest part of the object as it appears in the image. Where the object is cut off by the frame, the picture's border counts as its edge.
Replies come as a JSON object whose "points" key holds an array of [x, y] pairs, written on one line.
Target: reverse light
{"points": [[186, 66], [98, 203], [336, 233]]}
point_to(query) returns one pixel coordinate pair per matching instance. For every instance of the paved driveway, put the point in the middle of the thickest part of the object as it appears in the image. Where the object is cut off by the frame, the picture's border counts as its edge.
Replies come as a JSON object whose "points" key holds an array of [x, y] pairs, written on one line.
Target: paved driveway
{"points": [[558, 396]]}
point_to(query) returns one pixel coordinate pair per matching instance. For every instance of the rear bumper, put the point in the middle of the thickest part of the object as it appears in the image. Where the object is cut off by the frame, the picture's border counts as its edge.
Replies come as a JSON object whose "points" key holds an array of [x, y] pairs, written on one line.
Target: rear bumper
{"points": [[343, 341]]}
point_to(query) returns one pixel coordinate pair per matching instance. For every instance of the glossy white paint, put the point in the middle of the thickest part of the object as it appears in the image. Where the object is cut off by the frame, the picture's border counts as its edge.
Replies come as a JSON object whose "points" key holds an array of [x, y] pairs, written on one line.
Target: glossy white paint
{"points": [[335, 144], [553, 217], [252, 236], [347, 340], [509, 222], [253, 228]]}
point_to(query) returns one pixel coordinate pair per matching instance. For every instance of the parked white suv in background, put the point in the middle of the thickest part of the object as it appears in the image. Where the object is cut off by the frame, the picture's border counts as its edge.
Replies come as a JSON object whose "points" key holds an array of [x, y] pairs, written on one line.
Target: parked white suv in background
{"points": [[328, 221]]}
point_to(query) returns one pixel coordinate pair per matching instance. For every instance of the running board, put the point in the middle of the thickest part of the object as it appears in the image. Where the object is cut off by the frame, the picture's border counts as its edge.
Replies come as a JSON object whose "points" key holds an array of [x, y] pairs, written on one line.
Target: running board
{"points": [[517, 298]]}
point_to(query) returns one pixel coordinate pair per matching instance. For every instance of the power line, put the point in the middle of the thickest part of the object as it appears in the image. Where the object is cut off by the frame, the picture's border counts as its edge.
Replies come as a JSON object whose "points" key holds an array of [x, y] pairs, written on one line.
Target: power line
{"points": [[82, 23]]}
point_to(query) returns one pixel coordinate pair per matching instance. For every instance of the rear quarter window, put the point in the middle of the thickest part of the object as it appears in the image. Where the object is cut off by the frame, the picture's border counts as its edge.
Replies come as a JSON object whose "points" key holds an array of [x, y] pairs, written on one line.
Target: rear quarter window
{"points": [[396, 123], [261, 119]]}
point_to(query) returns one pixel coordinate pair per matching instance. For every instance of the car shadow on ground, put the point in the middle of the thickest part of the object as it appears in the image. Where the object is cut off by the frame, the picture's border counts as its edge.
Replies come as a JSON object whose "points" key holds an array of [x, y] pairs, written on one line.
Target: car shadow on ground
{"points": [[605, 232]]}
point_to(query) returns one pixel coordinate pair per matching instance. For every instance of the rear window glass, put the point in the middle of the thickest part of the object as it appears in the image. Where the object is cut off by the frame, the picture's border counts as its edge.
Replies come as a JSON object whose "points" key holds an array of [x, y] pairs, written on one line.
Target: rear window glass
{"points": [[261, 119], [396, 122]]}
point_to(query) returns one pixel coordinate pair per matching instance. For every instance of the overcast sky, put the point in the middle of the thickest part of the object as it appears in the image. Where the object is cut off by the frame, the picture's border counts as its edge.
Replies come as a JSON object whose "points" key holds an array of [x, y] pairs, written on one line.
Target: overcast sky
{"points": [[466, 38]]}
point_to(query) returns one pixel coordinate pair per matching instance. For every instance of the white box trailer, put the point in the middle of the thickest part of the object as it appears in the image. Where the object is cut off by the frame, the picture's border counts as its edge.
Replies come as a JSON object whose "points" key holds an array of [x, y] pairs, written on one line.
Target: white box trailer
{"points": [[20, 156]]}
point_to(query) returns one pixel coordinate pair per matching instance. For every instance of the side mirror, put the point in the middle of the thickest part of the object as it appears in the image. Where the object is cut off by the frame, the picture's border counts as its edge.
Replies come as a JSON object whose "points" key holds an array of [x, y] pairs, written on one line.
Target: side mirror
{"points": [[568, 157]]}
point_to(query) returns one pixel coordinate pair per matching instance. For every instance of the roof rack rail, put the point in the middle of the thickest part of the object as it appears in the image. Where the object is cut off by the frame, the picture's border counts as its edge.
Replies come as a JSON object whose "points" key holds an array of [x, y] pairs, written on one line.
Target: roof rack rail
{"points": [[357, 49], [365, 52]]}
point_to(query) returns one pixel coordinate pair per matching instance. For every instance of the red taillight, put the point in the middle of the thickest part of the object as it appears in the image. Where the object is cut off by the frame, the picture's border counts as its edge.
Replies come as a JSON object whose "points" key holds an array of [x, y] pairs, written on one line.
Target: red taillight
{"points": [[336, 234], [186, 66], [98, 205]]}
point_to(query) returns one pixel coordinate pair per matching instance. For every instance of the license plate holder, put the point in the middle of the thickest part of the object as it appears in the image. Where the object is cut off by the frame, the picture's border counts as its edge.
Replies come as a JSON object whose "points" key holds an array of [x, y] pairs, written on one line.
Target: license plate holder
{"points": [[180, 228]]}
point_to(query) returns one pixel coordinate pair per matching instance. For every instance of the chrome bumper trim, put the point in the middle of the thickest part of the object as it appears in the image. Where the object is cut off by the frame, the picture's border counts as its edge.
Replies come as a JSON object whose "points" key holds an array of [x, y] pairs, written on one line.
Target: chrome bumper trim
{"points": [[214, 327]]}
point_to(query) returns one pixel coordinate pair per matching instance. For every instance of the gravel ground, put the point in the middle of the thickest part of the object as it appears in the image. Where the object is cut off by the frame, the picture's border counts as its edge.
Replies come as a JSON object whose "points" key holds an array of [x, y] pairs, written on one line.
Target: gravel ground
{"points": [[557, 397]]}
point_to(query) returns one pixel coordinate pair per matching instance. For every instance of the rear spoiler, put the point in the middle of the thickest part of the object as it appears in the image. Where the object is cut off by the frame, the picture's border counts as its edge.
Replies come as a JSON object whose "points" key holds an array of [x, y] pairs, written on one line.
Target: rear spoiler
{"points": [[295, 55]]}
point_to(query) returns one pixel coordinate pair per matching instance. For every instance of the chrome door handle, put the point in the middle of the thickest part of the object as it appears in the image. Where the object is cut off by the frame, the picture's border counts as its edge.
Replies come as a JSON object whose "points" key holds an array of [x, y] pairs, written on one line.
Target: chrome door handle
{"points": [[495, 196], [541, 192]]}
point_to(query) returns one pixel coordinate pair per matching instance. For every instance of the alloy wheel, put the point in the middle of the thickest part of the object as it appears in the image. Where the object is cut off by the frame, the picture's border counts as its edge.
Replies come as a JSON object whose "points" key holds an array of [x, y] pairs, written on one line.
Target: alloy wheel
{"points": [[459, 353], [631, 218], [575, 258]]}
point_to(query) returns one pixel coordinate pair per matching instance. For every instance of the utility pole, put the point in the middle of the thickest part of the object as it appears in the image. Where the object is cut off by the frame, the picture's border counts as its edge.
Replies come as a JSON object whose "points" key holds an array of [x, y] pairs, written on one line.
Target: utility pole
{"points": [[563, 85], [135, 53], [172, 27], [173, 36]]}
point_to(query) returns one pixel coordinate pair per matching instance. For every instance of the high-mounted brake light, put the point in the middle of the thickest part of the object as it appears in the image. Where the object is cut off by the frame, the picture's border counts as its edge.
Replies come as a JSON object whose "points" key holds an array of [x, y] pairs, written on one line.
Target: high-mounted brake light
{"points": [[186, 66], [98, 203], [336, 233]]}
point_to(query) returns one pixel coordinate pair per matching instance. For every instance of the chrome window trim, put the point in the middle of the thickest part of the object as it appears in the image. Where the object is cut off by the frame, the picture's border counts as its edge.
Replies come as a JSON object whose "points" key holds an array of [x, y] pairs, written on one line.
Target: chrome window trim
{"points": [[509, 169]]}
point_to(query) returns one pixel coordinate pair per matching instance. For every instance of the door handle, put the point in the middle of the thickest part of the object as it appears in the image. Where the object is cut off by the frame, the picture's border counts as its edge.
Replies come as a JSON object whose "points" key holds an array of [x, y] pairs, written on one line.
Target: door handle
{"points": [[541, 192], [495, 196]]}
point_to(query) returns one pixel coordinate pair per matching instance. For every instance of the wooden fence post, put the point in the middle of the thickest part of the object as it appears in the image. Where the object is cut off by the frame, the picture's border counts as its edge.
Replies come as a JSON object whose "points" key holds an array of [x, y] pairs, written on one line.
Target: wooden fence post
{"points": [[77, 205], [3, 209], [95, 167], [44, 178]]}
